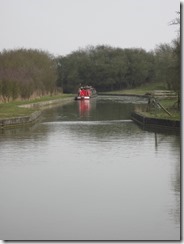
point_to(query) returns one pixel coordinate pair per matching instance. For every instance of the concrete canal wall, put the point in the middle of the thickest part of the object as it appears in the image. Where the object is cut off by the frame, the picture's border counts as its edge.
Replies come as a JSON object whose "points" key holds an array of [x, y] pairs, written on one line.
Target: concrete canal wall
{"points": [[17, 121], [43, 104], [161, 123]]}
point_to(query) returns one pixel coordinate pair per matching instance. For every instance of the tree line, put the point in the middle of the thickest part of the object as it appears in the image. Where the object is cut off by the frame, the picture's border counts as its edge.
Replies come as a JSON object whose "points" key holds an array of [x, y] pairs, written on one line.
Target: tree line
{"points": [[107, 68], [27, 73]]}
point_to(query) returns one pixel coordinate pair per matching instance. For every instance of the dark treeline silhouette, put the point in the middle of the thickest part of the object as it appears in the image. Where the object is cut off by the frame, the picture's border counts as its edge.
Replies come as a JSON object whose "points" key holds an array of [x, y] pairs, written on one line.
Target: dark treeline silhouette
{"points": [[107, 68]]}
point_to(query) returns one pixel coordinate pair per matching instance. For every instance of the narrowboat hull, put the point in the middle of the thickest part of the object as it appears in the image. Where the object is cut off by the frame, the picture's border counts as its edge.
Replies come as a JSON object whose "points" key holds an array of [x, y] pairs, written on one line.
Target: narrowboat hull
{"points": [[82, 98]]}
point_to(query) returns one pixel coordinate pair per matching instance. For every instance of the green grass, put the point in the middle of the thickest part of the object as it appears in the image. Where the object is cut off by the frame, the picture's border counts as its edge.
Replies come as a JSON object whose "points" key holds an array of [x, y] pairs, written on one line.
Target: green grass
{"points": [[170, 105], [141, 90], [44, 99], [12, 109], [9, 110]]}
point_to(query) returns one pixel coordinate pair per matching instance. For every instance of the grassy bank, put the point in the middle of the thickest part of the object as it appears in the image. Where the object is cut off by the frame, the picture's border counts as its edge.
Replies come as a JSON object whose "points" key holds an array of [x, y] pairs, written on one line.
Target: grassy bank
{"points": [[12, 109], [141, 90], [169, 104]]}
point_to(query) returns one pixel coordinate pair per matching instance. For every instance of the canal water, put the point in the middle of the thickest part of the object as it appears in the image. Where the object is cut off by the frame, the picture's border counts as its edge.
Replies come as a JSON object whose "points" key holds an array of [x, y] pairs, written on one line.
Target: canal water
{"points": [[86, 171]]}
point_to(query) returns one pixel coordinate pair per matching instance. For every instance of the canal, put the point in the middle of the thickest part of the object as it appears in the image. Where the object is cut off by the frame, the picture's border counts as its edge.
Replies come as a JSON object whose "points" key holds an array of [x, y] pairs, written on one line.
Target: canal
{"points": [[86, 171]]}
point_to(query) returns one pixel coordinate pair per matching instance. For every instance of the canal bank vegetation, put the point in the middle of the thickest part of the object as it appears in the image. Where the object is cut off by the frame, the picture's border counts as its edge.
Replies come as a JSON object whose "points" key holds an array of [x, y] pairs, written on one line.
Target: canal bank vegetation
{"points": [[162, 108], [26, 74]]}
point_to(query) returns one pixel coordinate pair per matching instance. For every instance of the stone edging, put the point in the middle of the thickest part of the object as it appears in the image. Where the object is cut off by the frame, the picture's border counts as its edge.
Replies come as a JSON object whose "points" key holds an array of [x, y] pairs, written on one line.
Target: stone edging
{"points": [[46, 103], [15, 121], [161, 123], [19, 120]]}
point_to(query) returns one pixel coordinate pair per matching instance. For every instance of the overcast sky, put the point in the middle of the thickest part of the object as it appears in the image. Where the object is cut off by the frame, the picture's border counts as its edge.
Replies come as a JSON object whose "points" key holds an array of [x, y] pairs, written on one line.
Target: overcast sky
{"points": [[63, 26]]}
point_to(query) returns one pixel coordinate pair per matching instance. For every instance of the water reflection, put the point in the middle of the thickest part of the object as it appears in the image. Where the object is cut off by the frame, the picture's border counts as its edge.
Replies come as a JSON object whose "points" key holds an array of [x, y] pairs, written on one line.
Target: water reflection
{"points": [[84, 107], [175, 186], [88, 172]]}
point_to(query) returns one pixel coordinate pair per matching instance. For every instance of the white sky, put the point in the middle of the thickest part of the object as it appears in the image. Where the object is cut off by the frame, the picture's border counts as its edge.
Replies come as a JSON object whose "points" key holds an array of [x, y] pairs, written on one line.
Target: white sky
{"points": [[63, 26]]}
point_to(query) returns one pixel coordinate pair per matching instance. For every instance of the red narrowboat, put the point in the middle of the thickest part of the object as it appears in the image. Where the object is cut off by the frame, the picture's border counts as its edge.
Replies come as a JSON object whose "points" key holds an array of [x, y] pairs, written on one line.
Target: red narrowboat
{"points": [[85, 93]]}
